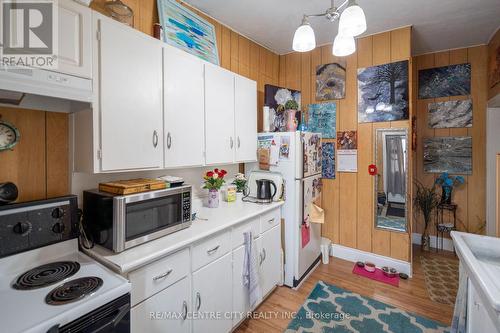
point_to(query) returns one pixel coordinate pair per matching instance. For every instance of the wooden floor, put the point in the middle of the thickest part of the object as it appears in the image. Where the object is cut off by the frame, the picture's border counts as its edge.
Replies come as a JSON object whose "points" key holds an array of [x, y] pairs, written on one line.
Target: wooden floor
{"points": [[410, 296]]}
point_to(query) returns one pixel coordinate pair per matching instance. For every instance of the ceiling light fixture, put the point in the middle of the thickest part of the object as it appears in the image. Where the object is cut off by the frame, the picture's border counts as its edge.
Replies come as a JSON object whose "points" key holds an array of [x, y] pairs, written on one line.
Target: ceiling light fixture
{"points": [[352, 23]]}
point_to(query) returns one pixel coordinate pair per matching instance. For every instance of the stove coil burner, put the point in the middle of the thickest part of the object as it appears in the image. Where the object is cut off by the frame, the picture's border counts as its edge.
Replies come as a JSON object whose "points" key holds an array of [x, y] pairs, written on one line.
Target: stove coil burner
{"points": [[73, 290], [46, 275]]}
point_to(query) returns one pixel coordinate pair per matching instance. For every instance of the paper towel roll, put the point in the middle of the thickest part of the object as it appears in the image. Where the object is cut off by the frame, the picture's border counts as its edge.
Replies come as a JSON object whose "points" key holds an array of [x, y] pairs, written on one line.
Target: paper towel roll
{"points": [[265, 119]]}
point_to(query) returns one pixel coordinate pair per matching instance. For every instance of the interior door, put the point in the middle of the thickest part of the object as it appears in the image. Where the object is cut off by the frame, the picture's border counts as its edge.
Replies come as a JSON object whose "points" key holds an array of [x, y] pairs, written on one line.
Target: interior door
{"points": [[183, 108], [219, 115], [245, 101], [212, 293], [74, 50], [130, 97], [175, 300]]}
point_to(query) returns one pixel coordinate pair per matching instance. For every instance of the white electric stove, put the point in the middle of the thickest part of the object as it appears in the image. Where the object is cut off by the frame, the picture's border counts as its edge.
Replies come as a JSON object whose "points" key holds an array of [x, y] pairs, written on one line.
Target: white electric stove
{"points": [[55, 288]]}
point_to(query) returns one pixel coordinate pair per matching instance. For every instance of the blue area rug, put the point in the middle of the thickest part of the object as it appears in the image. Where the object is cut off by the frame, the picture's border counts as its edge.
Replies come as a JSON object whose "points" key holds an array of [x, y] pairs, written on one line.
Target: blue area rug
{"points": [[330, 309]]}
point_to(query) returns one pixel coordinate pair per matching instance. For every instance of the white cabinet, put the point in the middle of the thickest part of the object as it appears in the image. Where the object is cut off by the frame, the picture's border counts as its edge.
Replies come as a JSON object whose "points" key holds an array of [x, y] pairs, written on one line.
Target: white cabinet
{"points": [[74, 50], [129, 88], [270, 259], [478, 318], [183, 95], [152, 315], [219, 115], [245, 124], [212, 296]]}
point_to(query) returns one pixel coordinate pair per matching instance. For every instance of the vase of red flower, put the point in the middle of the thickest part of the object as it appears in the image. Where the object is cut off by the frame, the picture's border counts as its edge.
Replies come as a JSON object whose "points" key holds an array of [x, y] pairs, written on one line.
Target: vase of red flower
{"points": [[214, 179]]}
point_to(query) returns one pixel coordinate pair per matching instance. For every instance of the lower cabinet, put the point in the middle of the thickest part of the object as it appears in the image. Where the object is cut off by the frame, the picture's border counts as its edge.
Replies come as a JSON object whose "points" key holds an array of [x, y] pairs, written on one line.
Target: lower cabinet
{"points": [[212, 297], [478, 319], [270, 259], [167, 311]]}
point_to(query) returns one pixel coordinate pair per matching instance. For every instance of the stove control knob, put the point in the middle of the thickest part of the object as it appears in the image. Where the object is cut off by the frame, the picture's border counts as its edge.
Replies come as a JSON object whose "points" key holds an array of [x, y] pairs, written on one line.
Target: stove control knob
{"points": [[21, 227], [57, 213], [58, 228]]}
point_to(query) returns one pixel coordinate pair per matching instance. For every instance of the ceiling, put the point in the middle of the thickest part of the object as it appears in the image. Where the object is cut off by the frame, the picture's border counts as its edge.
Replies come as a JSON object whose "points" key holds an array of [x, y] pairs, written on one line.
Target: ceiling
{"points": [[437, 24]]}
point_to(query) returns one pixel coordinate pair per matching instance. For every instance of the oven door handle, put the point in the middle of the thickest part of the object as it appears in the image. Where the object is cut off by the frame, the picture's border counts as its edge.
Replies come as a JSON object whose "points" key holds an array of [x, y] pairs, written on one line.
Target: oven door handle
{"points": [[105, 322]]}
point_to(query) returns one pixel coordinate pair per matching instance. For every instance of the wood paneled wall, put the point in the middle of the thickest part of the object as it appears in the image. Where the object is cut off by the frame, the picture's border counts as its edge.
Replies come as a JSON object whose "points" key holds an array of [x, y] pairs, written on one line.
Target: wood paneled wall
{"points": [[39, 163], [236, 53], [471, 197], [494, 65], [349, 199]]}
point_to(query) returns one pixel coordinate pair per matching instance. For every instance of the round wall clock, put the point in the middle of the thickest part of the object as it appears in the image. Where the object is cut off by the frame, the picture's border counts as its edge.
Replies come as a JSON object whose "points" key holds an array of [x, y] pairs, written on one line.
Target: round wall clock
{"points": [[9, 136]]}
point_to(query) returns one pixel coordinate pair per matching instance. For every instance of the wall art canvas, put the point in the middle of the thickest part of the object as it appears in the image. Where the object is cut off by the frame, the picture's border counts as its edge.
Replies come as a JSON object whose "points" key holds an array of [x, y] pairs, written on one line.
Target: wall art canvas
{"points": [[448, 154], [187, 31], [453, 80], [328, 160], [383, 92], [273, 96], [330, 81], [347, 140], [494, 65], [450, 114], [323, 119]]}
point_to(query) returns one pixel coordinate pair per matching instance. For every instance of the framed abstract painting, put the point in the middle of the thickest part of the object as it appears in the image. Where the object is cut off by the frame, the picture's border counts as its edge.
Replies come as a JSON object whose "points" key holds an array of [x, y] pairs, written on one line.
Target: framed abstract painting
{"points": [[187, 31], [323, 119]]}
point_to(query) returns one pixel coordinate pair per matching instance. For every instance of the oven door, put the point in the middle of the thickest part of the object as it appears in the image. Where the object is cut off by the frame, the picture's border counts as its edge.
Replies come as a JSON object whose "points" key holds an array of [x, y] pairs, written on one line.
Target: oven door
{"points": [[149, 216]]}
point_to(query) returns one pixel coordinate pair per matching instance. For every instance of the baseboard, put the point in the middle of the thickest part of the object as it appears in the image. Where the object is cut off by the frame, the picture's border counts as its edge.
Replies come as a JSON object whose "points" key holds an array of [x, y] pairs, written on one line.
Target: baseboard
{"points": [[350, 254], [447, 243]]}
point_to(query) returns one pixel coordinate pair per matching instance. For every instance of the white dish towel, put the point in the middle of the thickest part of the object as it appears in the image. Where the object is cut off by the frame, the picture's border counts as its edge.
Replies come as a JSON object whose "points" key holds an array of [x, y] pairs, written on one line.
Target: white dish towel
{"points": [[250, 270]]}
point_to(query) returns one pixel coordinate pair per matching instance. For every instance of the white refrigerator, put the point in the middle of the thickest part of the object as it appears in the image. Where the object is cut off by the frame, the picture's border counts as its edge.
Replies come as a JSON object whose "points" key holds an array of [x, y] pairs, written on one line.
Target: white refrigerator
{"points": [[297, 156]]}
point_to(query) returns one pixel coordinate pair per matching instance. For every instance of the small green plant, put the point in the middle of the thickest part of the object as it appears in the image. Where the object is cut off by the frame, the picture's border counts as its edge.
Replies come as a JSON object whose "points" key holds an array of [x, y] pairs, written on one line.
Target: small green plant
{"points": [[240, 181], [426, 200], [291, 105]]}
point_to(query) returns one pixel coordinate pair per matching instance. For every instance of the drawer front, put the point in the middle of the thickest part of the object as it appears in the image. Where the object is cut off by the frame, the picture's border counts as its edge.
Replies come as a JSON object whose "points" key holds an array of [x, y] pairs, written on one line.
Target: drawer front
{"points": [[157, 276], [270, 219], [211, 249], [238, 231]]}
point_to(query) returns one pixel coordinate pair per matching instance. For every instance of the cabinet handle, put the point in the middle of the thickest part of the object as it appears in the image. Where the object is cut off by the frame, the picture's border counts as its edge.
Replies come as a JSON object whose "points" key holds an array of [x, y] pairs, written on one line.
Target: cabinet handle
{"points": [[155, 138], [198, 301], [169, 140], [184, 310], [162, 276], [271, 221], [264, 255], [231, 142], [211, 251], [239, 143]]}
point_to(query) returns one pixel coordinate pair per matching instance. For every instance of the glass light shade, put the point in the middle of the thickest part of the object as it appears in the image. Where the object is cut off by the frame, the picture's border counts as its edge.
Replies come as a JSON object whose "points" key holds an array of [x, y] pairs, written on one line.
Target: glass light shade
{"points": [[303, 39], [352, 21], [343, 46]]}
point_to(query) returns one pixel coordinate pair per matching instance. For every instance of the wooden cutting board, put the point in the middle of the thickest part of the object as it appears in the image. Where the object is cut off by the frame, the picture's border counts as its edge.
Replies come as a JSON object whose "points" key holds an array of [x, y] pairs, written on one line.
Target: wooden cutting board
{"points": [[131, 186]]}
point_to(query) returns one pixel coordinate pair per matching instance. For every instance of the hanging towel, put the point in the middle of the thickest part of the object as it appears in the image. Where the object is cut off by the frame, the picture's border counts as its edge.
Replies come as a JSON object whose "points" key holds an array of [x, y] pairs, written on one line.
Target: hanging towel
{"points": [[316, 214], [459, 321], [250, 270]]}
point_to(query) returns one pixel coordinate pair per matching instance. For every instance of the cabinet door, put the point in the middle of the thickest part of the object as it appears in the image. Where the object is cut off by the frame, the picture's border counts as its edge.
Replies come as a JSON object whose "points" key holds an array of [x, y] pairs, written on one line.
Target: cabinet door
{"points": [[183, 109], [241, 302], [478, 318], [151, 315], [74, 52], [212, 294], [245, 101], [219, 115], [270, 259], [130, 98]]}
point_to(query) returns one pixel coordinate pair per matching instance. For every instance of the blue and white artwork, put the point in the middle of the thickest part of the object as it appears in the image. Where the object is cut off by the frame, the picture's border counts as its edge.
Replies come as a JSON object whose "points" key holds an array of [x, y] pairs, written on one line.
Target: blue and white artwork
{"points": [[453, 80], [450, 114], [328, 160], [448, 154], [323, 119], [187, 31], [383, 92]]}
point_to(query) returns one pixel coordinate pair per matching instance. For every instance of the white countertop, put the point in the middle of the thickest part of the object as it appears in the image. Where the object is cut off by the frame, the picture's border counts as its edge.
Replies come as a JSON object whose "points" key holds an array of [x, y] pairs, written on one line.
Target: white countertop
{"points": [[480, 256], [218, 219]]}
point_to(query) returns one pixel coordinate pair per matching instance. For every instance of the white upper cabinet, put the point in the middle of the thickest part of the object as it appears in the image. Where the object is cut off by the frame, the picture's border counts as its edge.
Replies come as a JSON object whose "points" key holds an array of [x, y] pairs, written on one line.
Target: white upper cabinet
{"points": [[74, 51], [245, 100], [129, 92], [219, 115], [183, 95]]}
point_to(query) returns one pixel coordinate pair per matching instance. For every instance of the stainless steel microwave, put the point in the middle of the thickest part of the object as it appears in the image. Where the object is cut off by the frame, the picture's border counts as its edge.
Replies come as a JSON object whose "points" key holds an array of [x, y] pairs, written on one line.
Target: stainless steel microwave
{"points": [[119, 222]]}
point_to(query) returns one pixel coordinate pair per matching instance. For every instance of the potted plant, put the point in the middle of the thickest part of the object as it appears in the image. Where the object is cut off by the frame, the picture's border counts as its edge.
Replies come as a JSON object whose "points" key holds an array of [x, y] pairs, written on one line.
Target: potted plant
{"points": [[425, 201], [214, 179], [289, 106], [241, 182], [447, 183]]}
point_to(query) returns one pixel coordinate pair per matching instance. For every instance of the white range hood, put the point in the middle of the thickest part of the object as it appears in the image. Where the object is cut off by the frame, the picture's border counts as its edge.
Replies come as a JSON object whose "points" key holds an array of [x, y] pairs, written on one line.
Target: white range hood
{"points": [[41, 89]]}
